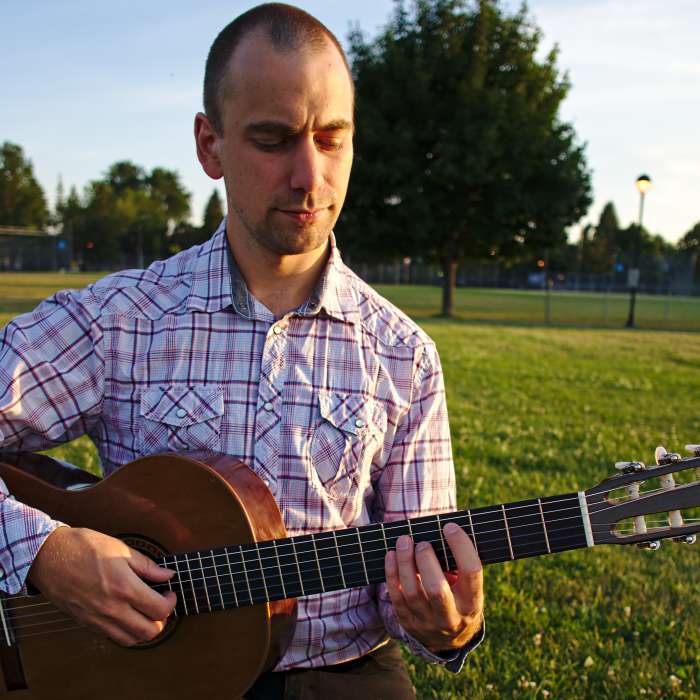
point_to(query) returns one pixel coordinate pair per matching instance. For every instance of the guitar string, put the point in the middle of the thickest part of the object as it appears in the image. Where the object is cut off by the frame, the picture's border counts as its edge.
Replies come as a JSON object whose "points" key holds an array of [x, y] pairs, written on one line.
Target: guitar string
{"points": [[398, 525], [64, 618], [18, 637]]}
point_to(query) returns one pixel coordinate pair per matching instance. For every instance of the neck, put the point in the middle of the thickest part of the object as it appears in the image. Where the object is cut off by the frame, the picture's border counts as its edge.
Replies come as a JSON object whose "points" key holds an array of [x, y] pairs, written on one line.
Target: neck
{"points": [[241, 575], [280, 282]]}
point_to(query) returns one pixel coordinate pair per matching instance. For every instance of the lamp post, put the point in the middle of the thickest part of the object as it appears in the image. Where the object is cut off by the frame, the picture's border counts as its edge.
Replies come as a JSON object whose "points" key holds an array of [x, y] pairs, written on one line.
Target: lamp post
{"points": [[643, 183]]}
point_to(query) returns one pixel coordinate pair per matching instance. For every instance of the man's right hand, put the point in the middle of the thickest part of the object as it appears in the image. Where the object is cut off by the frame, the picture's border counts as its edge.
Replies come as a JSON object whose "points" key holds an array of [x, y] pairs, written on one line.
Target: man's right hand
{"points": [[98, 580]]}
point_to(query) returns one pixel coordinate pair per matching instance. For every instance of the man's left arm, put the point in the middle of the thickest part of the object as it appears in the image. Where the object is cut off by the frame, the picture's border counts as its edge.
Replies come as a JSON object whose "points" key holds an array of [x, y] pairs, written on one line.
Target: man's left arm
{"points": [[438, 615]]}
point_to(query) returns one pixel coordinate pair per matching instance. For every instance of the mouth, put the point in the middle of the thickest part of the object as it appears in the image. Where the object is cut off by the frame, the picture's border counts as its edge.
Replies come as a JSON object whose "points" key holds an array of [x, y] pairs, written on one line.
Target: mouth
{"points": [[303, 216]]}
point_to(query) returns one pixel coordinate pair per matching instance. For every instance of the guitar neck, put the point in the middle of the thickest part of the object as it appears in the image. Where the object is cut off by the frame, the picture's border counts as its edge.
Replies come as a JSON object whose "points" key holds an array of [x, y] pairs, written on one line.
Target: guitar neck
{"points": [[241, 575]]}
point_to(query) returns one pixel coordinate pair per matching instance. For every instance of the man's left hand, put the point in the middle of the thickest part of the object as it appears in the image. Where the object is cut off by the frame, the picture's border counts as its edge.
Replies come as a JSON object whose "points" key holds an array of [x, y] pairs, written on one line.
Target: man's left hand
{"points": [[443, 611]]}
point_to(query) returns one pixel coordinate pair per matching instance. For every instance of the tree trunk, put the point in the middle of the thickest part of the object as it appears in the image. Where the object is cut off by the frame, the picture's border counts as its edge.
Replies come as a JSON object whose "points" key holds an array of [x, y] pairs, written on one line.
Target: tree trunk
{"points": [[449, 279]]}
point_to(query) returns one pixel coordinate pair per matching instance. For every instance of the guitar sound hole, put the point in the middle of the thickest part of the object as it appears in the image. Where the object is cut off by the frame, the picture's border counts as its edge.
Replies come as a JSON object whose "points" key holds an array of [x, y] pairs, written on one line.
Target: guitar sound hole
{"points": [[154, 551]]}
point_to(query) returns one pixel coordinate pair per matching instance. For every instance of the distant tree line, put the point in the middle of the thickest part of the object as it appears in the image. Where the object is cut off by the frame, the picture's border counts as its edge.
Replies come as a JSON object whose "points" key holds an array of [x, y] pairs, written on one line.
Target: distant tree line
{"points": [[460, 154]]}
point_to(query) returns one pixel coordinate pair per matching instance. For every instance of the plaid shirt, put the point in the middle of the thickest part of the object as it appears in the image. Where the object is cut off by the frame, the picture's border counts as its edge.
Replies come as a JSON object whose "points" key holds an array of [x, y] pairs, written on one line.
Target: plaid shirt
{"points": [[338, 406]]}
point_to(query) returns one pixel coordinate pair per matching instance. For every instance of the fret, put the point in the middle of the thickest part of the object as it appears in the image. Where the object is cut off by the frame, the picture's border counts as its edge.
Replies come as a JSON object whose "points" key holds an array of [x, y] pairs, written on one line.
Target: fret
{"points": [[205, 581], [525, 527], [216, 579], [183, 598], [351, 562], [473, 535], [544, 527], [445, 561], [169, 583], [308, 564], [461, 520], [340, 563], [564, 522], [245, 574], [262, 571], [373, 551], [289, 566], [318, 564], [254, 574], [394, 530], [223, 593], [230, 573], [331, 570], [362, 555], [490, 534], [271, 570], [5, 624], [279, 568], [505, 522], [386, 546], [427, 529], [194, 592], [296, 560]]}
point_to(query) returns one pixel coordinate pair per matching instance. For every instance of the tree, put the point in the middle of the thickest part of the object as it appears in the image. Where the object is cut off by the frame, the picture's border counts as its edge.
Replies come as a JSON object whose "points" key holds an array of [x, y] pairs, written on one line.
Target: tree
{"points": [[603, 249], [22, 201], [213, 213], [690, 243], [459, 147]]}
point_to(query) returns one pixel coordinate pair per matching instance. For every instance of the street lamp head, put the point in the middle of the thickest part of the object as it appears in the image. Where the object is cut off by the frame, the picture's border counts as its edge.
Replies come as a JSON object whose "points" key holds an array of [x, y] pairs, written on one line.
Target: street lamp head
{"points": [[643, 183]]}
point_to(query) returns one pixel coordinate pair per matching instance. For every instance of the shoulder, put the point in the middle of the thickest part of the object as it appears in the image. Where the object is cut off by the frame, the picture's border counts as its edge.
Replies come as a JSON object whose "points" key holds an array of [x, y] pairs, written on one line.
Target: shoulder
{"points": [[160, 289], [381, 319]]}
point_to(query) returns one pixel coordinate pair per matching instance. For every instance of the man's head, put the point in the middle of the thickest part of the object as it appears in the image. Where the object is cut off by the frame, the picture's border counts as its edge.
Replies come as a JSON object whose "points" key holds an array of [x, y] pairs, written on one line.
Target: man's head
{"points": [[278, 98]]}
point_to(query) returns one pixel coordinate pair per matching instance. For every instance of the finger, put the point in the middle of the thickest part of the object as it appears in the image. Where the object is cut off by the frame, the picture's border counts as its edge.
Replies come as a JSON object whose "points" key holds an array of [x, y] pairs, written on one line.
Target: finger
{"points": [[411, 586], [468, 589], [147, 569], [136, 625], [391, 569], [435, 585], [143, 598], [115, 633]]}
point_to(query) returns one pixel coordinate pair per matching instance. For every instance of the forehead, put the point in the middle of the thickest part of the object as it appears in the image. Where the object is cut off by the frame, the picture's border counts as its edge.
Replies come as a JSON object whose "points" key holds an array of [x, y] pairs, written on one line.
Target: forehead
{"points": [[296, 86]]}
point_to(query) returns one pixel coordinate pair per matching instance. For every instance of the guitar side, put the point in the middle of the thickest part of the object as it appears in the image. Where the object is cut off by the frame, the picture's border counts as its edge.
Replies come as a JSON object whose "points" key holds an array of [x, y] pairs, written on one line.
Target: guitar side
{"points": [[170, 503]]}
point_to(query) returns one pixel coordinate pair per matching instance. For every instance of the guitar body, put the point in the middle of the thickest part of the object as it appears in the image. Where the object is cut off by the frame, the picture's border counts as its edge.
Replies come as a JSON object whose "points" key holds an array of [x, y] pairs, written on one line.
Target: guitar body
{"points": [[158, 504]]}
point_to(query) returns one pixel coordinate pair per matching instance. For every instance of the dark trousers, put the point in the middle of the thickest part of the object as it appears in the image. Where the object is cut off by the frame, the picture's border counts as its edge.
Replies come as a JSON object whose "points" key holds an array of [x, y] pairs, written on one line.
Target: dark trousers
{"points": [[380, 675]]}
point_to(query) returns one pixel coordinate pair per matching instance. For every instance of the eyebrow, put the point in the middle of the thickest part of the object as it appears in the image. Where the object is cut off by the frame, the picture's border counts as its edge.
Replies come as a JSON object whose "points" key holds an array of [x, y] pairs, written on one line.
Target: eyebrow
{"points": [[284, 129]]}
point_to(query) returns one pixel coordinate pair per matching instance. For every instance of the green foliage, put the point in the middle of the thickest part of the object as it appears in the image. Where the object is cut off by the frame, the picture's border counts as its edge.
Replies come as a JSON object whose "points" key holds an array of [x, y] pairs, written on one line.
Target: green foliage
{"points": [[187, 235], [22, 201], [125, 217], [213, 213], [690, 243], [459, 147]]}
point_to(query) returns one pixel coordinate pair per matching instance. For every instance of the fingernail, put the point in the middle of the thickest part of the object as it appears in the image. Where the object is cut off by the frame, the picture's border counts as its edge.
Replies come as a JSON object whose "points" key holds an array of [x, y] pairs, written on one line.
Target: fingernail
{"points": [[422, 546], [451, 528], [403, 543]]}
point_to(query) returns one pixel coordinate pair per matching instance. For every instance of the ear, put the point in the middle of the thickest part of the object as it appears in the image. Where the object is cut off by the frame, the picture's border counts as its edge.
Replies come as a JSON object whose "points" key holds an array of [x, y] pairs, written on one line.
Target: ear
{"points": [[208, 145]]}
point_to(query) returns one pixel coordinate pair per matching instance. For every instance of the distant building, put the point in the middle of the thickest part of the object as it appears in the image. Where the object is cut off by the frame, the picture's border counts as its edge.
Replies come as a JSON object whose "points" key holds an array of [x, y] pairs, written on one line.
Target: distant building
{"points": [[32, 249]]}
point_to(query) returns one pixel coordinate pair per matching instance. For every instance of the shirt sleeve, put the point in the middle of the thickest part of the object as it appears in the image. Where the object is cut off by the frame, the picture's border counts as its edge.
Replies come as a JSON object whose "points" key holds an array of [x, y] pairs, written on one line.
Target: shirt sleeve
{"points": [[51, 382], [418, 479]]}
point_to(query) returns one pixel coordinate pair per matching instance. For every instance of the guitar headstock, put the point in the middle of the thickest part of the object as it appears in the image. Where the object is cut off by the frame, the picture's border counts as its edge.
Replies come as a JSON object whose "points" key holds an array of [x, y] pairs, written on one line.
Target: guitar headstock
{"points": [[643, 505]]}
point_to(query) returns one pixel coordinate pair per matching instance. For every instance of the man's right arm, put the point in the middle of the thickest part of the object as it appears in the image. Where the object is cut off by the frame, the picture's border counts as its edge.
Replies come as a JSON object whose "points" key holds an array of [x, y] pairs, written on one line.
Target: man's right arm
{"points": [[51, 389]]}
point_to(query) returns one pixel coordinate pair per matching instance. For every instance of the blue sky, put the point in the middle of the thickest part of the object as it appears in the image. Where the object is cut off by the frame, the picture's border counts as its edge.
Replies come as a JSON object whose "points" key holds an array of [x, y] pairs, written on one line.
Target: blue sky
{"points": [[83, 84]]}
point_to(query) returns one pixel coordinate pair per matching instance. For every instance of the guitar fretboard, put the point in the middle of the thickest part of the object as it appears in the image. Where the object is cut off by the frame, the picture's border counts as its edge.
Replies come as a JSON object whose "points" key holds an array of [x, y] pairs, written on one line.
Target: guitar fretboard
{"points": [[241, 575]]}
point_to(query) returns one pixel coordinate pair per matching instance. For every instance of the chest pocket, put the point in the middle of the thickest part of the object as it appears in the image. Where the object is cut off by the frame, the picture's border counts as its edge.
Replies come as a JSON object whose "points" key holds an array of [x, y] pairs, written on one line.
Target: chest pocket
{"points": [[343, 444], [177, 418]]}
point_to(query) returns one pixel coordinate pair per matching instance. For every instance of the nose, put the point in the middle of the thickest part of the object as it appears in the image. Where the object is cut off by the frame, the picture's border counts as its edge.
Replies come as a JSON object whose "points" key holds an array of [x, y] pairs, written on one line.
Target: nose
{"points": [[306, 167]]}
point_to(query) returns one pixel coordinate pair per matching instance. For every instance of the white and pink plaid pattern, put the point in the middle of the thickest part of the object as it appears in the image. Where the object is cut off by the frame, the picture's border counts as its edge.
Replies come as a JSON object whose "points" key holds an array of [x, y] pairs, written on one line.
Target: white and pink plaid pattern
{"points": [[339, 406]]}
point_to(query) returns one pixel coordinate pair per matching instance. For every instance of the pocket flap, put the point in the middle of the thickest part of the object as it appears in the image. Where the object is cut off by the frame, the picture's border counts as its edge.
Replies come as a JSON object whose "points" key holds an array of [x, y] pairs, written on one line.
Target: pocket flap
{"points": [[352, 413], [180, 404]]}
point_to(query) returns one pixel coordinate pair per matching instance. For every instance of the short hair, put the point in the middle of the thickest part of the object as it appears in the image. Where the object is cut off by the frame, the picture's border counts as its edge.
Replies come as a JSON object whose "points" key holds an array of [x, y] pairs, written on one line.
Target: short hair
{"points": [[288, 28]]}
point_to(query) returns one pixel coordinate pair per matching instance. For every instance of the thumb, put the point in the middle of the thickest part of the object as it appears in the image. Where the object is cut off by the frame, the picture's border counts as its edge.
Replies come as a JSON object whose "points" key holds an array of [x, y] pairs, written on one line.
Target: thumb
{"points": [[147, 569]]}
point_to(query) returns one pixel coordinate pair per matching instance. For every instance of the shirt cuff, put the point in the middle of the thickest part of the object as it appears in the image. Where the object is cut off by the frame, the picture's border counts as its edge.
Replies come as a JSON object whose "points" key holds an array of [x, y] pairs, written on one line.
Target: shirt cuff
{"points": [[23, 531], [453, 661]]}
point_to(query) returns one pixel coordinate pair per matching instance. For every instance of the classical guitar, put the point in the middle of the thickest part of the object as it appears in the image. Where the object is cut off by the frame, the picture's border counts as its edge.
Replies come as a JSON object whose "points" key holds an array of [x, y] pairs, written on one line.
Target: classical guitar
{"points": [[213, 521]]}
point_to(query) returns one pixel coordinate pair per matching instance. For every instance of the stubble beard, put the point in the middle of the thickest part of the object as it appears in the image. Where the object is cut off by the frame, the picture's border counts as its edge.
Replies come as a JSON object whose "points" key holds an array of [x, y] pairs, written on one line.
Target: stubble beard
{"points": [[293, 241]]}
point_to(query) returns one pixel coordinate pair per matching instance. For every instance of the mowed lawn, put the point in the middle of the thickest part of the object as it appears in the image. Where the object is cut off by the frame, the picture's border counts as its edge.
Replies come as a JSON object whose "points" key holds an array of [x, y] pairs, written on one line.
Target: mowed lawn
{"points": [[538, 411]]}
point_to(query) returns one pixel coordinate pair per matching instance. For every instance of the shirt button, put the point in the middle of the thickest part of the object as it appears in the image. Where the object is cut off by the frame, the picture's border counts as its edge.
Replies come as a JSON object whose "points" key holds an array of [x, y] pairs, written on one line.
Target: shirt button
{"points": [[359, 423], [268, 406], [181, 412], [266, 481], [276, 330]]}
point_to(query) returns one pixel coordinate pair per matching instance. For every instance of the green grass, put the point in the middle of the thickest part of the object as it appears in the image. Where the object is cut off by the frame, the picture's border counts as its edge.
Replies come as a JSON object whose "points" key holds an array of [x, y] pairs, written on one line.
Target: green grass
{"points": [[537, 411]]}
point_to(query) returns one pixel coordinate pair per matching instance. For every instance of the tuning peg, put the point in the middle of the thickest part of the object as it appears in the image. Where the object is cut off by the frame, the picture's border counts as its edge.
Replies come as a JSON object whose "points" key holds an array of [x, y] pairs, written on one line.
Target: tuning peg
{"points": [[694, 449], [653, 545], [630, 467], [686, 539], [662, 456]]}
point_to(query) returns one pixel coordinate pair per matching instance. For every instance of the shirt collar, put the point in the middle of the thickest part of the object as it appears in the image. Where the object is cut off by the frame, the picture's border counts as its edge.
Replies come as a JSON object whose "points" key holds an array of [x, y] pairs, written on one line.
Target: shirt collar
{"points": [[211, 279], [329, 295]]}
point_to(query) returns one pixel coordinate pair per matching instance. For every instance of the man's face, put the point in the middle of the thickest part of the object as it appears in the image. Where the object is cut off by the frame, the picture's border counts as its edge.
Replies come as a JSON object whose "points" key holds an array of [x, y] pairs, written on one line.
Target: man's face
{"points": [[286, 150]]}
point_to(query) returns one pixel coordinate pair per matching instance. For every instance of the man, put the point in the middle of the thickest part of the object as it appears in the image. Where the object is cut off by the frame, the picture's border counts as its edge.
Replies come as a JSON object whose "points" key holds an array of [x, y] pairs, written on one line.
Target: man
{"points": [[334, 397]]}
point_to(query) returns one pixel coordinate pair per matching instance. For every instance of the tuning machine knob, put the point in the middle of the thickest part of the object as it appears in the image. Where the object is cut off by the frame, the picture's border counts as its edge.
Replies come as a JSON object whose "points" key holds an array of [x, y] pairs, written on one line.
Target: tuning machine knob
{"points": [[694, 449], [630, 467], [652, 545], [686, 539]]}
